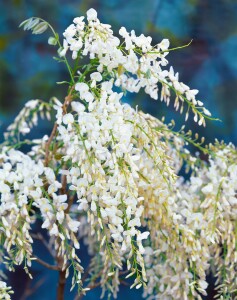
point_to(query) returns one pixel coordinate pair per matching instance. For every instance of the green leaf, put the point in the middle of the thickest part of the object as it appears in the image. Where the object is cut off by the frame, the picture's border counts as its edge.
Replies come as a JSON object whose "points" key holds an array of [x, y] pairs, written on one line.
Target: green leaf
{"points": [[32, 23], [40, 28], [29, 23], [63, 82], [24, 23], [58, 59]]}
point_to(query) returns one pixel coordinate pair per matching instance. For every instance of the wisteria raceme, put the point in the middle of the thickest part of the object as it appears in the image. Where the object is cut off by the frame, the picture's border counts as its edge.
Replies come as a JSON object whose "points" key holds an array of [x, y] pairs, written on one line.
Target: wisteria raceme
{"points": [[213, 212], [27, 118], [206, 230], [136, 65], [108, 176], [5, 291]]}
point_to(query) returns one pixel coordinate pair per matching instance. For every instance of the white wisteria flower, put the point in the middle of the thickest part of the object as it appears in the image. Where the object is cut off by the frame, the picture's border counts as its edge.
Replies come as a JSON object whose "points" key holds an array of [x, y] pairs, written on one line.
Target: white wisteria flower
{"points": [[108, 176]]}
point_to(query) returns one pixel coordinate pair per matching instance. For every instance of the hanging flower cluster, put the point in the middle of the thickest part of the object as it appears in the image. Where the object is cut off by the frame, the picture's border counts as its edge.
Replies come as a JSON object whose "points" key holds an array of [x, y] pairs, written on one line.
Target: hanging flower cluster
{"points": [[5, 291], [108, 174], [133, 63], [201, 236]]}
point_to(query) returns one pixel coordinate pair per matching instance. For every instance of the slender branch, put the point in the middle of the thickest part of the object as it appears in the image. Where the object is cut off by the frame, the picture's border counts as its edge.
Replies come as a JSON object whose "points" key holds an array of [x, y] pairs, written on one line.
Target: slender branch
{"points": [[94, 284], [70, 203], [30, 291], [123, 282], [48, 144], [64, 184], [86, 273], [45, 264], [61, 280], [91, 287], [62, 272], [123, 272], [67, 101], [61, 285]]}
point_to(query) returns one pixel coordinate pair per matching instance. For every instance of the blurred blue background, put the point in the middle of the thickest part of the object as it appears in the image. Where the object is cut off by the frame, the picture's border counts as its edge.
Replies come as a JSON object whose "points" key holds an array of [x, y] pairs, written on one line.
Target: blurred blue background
{"points": [[27, 71]]}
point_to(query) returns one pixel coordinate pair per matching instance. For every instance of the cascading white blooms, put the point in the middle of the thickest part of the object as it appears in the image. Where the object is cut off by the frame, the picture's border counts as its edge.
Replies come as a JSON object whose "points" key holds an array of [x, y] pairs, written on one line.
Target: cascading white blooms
{"points": [[108, 173], [5, 291]]}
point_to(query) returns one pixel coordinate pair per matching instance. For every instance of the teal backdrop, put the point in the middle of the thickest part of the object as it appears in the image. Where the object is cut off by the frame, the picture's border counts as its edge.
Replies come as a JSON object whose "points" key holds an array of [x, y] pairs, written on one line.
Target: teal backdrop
{"points": [[27, 71]]}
